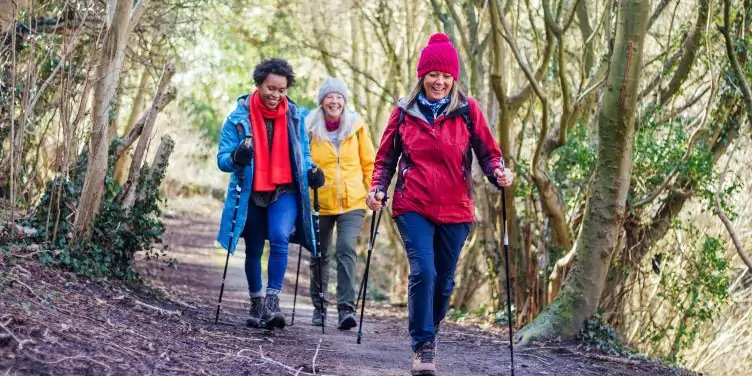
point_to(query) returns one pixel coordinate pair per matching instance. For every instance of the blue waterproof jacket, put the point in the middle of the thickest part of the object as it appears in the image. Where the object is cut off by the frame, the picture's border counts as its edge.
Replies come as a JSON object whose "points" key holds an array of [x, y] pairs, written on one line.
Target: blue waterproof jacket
{"points": [[238, 121]]}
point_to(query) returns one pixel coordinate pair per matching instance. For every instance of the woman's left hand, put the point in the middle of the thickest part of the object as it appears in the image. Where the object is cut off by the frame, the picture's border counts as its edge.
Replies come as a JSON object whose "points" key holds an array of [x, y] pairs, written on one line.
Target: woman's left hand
{"points": [[504, 177], [316, 178]]}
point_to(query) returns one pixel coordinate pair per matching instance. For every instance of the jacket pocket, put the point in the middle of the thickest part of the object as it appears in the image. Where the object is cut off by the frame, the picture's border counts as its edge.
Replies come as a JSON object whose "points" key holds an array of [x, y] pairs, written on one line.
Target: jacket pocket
{"points": [[354, 194], [327, 197]]}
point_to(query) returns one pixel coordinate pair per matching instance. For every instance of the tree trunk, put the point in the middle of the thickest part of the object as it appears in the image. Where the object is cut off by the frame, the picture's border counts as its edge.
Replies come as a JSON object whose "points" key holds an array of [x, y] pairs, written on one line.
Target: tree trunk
{"points": [[122, 164], [108, 74], [157, 168], [507, 111], [599, 235], [162, 98], [8, 11]]}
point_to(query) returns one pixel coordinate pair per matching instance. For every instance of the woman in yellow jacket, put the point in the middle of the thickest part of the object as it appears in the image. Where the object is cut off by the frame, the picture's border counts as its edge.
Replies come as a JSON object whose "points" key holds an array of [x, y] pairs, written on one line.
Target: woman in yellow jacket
{"points": [[341, 146]]}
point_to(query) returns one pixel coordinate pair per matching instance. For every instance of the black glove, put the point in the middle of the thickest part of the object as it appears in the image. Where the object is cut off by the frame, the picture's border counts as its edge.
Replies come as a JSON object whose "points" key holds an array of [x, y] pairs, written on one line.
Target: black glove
{"points": [[242, 155], [315, 178]]}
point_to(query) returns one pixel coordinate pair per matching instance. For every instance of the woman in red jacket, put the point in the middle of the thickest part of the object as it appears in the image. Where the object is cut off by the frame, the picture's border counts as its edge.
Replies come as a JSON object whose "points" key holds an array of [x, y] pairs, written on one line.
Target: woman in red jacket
{"points": [[432, 134]]}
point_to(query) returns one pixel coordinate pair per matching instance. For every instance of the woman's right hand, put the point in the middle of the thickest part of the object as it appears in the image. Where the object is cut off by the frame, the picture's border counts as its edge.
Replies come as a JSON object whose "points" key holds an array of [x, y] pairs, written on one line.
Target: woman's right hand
{"points": [[242, 155], [375, 200]]}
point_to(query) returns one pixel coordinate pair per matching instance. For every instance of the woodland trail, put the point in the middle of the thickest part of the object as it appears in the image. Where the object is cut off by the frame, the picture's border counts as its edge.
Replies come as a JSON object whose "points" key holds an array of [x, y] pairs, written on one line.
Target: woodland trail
{"points": [[80, 327]]}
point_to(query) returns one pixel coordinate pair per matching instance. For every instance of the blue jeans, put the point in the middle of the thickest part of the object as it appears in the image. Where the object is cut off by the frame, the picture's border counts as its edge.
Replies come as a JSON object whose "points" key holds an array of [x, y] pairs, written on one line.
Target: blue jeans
{"points": [[432, 251], [275, 223]]}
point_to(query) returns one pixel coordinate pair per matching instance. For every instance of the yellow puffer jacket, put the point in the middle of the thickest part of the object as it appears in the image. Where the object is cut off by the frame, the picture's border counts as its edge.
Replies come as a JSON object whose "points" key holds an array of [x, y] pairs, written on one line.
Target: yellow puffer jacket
{"points": [[347, 169]]}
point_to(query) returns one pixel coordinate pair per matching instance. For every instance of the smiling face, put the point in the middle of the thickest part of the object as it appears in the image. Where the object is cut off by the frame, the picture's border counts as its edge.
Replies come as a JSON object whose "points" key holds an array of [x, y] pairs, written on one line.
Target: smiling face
{"points": [[333, 105], [437, 85], [272, 90]]}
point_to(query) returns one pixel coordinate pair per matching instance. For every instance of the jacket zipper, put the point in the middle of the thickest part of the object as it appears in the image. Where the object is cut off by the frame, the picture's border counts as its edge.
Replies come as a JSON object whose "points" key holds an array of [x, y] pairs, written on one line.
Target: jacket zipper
{"points": [[339, 182]]}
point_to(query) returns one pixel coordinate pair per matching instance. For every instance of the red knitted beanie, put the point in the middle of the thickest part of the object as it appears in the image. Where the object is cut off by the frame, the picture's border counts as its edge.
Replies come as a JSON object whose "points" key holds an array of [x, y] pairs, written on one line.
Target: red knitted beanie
{"points": [[439, 55]]}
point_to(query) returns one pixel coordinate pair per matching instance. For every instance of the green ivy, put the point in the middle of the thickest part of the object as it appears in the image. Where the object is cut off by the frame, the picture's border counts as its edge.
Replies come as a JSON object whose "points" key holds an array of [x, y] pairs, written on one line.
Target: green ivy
{"points": [[598, 335], [574, 163], [697, 292], [117, 234]]}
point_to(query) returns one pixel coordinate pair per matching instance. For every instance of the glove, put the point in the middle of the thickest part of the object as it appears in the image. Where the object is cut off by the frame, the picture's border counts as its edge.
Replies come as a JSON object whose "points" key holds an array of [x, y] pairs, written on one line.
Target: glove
{"points": [[242, 155], [315, 178]]}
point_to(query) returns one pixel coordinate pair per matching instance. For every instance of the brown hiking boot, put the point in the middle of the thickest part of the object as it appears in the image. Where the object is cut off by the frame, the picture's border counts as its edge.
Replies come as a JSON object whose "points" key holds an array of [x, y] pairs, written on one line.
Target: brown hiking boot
{"points": [[254, 314], [273, 316], [319, 317], [346, 318], [423, 363]]}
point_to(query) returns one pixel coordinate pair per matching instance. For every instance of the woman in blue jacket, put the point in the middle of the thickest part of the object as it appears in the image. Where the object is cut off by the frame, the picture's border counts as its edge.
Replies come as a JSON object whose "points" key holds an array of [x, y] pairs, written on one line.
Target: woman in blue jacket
{"points": [[265, 138]]}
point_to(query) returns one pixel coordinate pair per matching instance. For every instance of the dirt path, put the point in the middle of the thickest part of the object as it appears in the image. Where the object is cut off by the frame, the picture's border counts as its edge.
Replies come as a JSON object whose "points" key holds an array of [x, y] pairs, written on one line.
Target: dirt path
{"points": [[81, 327]]}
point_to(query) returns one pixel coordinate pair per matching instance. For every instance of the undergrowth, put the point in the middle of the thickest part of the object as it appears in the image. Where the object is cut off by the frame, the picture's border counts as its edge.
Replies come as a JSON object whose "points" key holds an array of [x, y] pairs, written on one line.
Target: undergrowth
{"points": [[117, 233]]}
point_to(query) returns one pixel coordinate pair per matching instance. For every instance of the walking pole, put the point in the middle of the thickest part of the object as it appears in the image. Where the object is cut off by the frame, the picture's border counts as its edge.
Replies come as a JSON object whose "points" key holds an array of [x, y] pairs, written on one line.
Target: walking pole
{"points": [[316, 254], [364, 282], [360, 291], [506, 265], [232, 232], [295, 296]]}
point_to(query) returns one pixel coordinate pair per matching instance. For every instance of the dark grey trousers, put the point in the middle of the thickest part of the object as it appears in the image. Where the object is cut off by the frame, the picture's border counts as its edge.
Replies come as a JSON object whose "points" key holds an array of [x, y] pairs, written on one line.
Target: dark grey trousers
{"points": [[348, 228]]}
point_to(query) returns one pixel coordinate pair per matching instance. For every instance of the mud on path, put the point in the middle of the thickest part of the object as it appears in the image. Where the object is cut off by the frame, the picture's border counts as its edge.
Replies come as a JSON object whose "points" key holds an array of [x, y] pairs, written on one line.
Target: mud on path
{"points": [[54, 323]]}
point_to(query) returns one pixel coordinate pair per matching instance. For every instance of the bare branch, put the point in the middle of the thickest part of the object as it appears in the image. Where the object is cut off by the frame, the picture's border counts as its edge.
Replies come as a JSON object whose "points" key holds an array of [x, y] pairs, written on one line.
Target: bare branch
{"points": [[689, 53], [159, 164], [743, 84], [657, 12], [460, 27], [566, 99], [557, 29], [136, 13], [518, 56], [586, 30], [352, 66], [18, 341], [161, 99], [657, 79], [516, 100], [313, 362], [160, 311], [724, 218]]}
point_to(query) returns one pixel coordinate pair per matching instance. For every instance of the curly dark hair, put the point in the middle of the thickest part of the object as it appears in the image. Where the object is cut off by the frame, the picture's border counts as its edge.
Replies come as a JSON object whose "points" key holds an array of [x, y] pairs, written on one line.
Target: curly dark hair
{"points": [[276, 66]]}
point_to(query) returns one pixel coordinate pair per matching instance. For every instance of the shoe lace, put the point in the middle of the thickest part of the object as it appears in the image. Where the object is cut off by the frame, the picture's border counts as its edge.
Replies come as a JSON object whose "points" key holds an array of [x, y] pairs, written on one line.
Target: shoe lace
{"points": [[272, 303], [256, 306], [426, 354]]}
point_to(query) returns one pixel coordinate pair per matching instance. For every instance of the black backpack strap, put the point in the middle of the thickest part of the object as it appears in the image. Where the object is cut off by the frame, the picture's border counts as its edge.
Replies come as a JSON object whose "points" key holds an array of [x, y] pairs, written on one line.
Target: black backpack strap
{"points": [[468, 122], [400, 120]]}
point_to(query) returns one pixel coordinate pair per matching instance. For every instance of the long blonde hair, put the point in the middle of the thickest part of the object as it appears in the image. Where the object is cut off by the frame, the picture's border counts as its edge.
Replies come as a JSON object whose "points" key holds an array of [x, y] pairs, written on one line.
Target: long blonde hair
{"points": [[455, 92]]}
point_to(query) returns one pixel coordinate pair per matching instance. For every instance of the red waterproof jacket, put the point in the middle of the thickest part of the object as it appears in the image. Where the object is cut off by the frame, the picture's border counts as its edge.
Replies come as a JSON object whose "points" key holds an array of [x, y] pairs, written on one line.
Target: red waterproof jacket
{"points": [[434, 176]]}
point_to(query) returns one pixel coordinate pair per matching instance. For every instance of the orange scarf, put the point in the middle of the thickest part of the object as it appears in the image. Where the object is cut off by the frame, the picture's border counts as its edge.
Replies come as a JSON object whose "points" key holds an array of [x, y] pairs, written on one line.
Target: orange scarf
{"points": [[270, 169]]}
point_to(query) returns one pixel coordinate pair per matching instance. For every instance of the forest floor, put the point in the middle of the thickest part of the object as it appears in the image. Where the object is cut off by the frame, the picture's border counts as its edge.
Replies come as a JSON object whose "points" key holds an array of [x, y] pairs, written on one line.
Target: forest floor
{"points": [[56, 323]]}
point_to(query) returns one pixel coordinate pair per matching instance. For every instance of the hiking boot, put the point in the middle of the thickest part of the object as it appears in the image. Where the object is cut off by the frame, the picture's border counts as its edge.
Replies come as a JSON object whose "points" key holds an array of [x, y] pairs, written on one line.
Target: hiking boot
{"points": [[273, 316], [319, 317], [346, 318], [254, 314], [423, 363]]}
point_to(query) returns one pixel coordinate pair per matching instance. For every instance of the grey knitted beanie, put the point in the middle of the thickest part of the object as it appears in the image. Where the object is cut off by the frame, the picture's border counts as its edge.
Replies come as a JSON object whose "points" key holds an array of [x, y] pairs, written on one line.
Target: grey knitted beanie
{"points": [[332, 85]]}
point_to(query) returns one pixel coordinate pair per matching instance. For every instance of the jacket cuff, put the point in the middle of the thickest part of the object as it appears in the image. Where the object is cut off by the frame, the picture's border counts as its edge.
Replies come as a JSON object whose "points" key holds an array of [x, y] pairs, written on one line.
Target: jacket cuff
{"points": [[377, 189]]}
